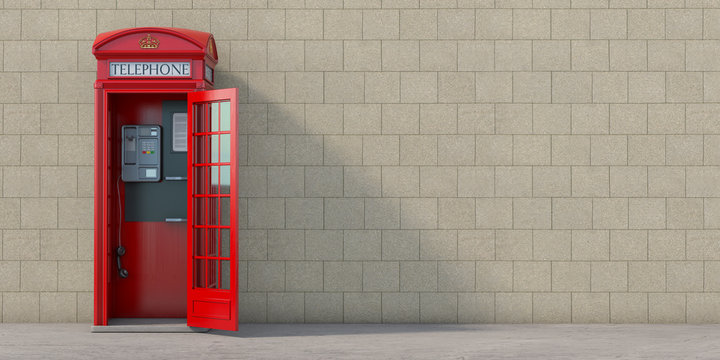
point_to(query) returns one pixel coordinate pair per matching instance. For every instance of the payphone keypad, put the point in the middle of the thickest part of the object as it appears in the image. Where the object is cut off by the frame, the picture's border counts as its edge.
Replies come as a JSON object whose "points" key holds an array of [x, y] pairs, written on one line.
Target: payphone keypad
{"points": [[148, 147]]}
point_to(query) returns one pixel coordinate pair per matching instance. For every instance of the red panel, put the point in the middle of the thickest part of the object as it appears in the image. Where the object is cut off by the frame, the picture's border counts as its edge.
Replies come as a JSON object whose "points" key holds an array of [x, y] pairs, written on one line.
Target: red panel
{"points": [[137, 109], [211, 309], [155, 258], [206, 288]]}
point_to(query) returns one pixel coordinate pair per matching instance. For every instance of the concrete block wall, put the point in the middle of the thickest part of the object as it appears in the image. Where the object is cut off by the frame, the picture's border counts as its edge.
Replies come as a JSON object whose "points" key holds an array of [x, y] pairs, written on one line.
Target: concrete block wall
{"points": [[451, 161]]}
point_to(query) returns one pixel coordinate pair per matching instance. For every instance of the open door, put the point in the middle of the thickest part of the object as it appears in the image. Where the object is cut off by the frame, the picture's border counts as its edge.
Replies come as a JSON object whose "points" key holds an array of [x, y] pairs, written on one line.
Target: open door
{"points": [[212, 209]]}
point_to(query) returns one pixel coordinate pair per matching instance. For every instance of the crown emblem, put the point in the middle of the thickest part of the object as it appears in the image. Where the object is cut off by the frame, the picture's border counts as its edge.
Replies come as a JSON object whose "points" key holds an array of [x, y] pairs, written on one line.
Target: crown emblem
{"points": [[149, 42]]}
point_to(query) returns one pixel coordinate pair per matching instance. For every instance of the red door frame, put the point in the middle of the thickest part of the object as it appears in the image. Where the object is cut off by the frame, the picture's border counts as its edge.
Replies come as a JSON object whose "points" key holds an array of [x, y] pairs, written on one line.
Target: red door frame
{"points": [[103, 141], [212, 307]]}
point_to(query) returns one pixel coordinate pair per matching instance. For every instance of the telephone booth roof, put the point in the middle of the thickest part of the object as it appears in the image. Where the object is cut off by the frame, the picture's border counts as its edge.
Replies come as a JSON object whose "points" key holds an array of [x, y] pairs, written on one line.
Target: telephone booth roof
{"points": [[160, 42]]}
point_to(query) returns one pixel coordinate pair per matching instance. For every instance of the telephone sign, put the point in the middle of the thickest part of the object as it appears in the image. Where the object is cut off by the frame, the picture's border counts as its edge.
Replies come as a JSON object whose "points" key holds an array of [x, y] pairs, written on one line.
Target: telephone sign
{"points": [[149, 69]]}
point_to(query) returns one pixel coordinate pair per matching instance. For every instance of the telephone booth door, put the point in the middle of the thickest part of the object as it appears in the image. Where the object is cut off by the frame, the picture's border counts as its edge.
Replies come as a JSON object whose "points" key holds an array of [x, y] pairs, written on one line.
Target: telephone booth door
{"points": [[212, 210]]}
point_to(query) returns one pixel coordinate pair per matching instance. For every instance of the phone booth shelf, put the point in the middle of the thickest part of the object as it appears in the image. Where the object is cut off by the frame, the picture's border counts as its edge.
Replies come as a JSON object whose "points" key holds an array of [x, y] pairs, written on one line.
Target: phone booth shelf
{"points": [[165, 180]]}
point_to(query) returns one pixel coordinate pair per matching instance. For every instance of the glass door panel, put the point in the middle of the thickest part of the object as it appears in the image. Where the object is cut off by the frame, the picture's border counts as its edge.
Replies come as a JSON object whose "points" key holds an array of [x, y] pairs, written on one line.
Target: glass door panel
{"points": [[212, 220]]}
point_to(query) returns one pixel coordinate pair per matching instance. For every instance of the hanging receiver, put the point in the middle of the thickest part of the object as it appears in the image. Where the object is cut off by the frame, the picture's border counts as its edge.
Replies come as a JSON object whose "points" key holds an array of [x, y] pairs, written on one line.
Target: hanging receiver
{"points": [[121, 271]]}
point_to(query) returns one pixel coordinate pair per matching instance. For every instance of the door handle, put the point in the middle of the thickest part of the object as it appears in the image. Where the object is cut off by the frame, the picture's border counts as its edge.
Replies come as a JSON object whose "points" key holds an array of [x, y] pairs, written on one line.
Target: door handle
{"points": [[175, 220]]}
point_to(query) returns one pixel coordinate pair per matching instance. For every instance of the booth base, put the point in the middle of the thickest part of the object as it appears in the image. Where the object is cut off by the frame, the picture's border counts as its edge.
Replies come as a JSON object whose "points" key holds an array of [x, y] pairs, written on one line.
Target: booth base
{"points": [[146, 325]]}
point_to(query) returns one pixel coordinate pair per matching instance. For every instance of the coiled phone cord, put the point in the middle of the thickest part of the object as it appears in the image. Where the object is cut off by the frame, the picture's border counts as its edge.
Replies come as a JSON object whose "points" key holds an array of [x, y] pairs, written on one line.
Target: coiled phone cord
{"points": [[117, 186]]}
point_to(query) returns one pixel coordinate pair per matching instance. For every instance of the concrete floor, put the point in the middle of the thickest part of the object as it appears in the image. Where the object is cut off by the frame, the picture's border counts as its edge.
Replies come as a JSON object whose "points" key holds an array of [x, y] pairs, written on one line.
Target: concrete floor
{"points": [[74, 341]]}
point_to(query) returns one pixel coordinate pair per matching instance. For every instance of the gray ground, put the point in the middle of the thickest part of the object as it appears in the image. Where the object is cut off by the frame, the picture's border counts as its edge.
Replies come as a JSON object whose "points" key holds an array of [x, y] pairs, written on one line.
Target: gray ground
{"points": [[74, 341]]}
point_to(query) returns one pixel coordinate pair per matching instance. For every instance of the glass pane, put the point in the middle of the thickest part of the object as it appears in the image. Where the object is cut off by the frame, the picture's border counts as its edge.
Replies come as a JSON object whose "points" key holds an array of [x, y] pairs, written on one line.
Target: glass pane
{"points": [[198, 114], [199, 274], [215, 179], [225, 242], [214, 216], [214, 117], [225, 148], [224, 275], [207, 184], [212, 272], [212, 242], [198, 147], [225, 211], [198, 179], [199, 244], [209, 210], [225, 116], [214, 148], [199, 211], [225, 179], [207, 149]]}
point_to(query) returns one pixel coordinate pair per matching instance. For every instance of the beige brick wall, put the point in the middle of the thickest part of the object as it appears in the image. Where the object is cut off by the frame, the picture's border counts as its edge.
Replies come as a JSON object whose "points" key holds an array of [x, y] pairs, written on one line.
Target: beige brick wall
{"points": [[469, 161]]}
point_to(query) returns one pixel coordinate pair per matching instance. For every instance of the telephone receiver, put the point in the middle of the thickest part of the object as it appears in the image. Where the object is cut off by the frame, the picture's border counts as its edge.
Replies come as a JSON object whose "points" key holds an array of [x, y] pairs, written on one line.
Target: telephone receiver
{"points": [[121, 271]]}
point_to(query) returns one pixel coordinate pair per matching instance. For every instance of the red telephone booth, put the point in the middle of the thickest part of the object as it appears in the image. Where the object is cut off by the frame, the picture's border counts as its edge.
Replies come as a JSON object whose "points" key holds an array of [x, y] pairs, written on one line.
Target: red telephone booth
{"points": [[165, 180]]}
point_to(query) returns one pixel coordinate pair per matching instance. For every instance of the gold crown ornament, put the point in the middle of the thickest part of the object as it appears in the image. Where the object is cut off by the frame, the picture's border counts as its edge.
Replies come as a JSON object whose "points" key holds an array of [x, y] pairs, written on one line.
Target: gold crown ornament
{"points": [[149, 42]]}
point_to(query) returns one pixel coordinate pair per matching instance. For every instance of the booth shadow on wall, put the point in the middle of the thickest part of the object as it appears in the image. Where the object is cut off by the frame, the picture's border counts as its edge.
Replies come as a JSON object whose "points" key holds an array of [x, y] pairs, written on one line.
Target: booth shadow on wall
{"points": [[261, 119]]}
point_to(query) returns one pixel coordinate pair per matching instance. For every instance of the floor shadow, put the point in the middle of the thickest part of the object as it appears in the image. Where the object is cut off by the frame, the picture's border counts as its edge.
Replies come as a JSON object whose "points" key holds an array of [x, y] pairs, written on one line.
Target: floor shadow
{"points": [[297, 330]]}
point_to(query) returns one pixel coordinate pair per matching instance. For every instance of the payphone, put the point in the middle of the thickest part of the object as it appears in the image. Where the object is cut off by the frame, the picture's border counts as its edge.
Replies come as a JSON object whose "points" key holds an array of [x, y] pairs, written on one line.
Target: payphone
{"points": [[141, 153], [165, 180]]}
